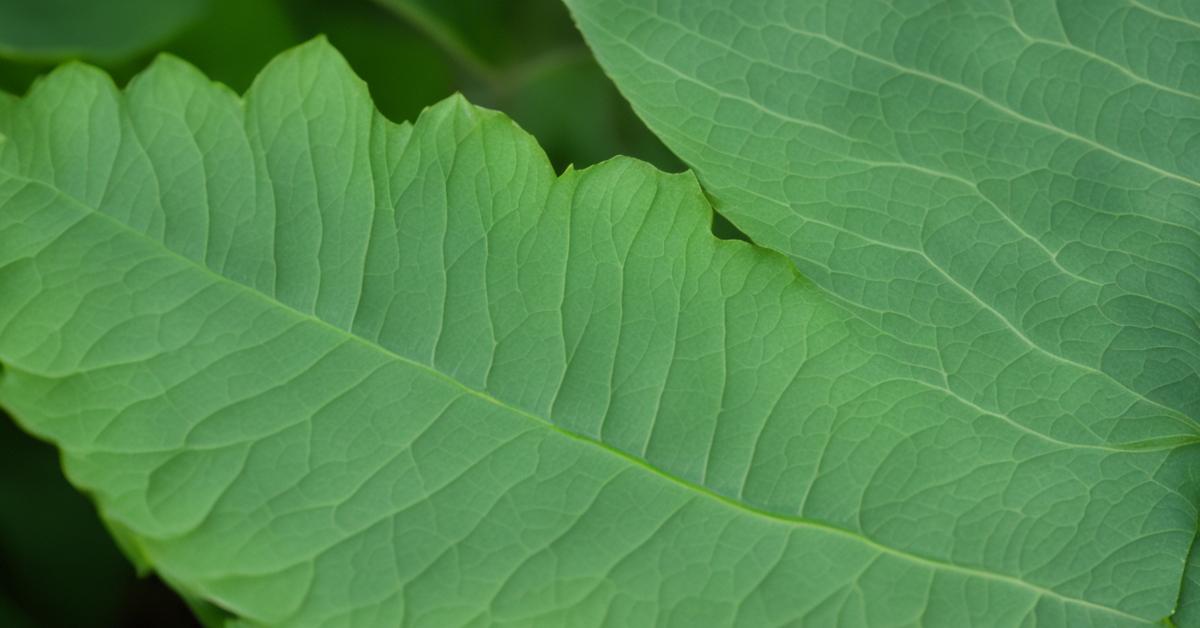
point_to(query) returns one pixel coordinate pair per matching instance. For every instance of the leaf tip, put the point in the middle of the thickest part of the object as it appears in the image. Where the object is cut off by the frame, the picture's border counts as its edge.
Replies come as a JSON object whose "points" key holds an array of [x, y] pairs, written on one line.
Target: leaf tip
{"points": [[76, 78], [166, 65], [313, 61], [319, 48], [73, 71]]}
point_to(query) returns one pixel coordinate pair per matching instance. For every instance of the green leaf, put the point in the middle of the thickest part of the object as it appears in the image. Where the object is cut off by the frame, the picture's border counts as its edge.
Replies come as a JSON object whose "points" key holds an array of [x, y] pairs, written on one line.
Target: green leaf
{"points": [[1011, 190], [329, 369], [1187, 610], [108, 30], [6, 105]]}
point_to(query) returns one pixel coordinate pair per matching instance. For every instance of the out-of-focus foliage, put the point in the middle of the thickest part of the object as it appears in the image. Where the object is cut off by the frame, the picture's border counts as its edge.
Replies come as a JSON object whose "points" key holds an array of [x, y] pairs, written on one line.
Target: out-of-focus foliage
{"points": [[524, 57], [10, 615], [54, 550], [107, 30], [521, 56]]}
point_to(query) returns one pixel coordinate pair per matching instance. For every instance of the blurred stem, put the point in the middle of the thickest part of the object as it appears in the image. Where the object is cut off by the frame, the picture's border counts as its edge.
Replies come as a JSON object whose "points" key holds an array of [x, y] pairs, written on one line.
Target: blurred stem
{"points": [[445, 37], [546, 63]]}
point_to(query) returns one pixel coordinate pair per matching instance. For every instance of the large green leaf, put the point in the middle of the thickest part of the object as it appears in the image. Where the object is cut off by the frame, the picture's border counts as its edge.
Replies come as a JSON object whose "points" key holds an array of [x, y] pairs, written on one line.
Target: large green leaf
{"points": [[317, 367], [1008, 188]]}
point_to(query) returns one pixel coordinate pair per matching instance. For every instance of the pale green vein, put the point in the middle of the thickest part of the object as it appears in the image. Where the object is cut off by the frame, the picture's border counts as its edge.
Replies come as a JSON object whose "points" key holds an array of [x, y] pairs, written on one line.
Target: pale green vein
{"points": [[1166, 16], [995, 105]]}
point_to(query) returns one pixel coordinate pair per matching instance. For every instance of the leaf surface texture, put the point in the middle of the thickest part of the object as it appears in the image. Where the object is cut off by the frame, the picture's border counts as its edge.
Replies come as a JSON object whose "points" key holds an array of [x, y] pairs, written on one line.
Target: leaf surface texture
{"points": [[1008, 190], [320, 368]]}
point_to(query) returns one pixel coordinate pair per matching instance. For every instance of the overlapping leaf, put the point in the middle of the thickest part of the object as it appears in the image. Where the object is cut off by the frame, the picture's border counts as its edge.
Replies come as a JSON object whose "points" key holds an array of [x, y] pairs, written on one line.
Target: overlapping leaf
{"points": [[1009, 190], [320, 368]]}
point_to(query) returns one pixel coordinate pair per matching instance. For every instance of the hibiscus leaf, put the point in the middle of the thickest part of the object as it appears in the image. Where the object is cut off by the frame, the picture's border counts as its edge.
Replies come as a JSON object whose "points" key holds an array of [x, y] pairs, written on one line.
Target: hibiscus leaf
{"points": [[316, 367]]}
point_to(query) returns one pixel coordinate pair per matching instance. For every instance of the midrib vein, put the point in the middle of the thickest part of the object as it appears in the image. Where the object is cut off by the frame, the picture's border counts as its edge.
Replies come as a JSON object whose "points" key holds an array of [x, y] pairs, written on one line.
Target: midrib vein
{"points": [[686, 485]]}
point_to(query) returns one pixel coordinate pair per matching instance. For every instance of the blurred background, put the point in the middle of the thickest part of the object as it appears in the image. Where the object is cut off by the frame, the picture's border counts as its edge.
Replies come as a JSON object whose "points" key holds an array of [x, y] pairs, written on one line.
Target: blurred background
{"points": [[58, 565], [520, 56]]}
